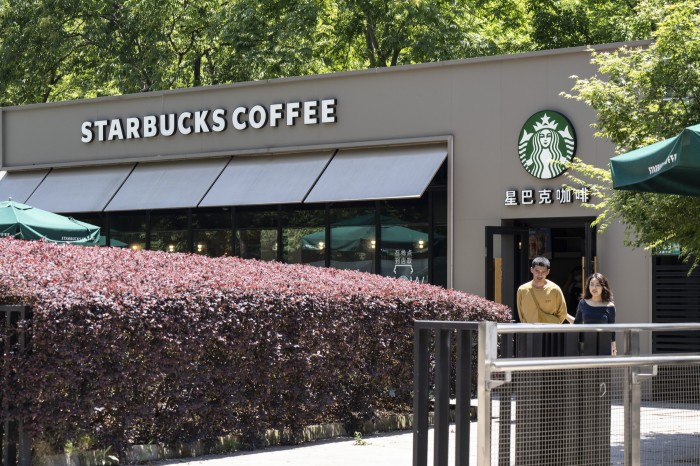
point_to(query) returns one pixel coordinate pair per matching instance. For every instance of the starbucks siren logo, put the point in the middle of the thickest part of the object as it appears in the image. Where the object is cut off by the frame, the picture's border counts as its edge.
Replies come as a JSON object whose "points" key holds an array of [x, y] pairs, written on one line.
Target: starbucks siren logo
{"points": [[546, 144]]}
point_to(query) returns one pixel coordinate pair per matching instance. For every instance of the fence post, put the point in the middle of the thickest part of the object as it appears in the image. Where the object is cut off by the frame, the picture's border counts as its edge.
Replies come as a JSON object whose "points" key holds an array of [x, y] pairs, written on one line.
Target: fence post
{"points": [[421, 355], [463, 396], [488, 352], [442, 397], [633, 402]]}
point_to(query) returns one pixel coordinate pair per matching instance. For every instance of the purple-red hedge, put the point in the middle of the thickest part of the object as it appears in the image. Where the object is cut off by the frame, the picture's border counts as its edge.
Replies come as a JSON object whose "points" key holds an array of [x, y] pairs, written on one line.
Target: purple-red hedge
{"points": [[141, 346]]}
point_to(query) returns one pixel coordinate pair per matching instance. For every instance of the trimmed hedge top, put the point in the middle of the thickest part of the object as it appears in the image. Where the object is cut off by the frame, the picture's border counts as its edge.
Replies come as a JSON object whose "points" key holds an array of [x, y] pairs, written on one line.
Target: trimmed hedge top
{"points": [[49, 275]]}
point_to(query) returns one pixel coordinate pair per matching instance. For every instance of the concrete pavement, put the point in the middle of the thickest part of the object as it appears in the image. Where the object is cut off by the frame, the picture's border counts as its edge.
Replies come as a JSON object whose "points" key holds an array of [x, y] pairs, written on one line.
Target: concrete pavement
{"points": [[670, 435], [387, 449]]}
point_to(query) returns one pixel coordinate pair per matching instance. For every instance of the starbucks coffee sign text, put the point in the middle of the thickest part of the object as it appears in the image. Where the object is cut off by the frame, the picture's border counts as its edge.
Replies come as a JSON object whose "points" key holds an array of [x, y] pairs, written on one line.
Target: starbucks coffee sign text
{"points": [[310, 112]]}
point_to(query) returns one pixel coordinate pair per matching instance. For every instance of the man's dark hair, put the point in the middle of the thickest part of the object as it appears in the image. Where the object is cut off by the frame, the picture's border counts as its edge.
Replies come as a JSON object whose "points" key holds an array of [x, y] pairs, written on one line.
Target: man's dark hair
{"points": [[541, 261]]}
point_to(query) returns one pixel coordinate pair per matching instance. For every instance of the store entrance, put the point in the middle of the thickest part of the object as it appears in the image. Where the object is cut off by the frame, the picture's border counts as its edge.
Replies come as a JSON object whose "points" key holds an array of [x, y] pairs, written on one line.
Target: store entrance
{"points": [[569, 244]]}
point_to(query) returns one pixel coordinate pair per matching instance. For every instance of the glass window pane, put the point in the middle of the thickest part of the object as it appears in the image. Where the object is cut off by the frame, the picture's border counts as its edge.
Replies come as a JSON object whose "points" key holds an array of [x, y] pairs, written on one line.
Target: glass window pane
{"points": [[404, 252], [353, 238], [169, 241], [128, 230], [440, 256], [167, 220], [256, 217], [304, 237], [213, 243], [439, 207], [212, 219], [404, 211], [169, 231], [212, 230], [257, 243]]}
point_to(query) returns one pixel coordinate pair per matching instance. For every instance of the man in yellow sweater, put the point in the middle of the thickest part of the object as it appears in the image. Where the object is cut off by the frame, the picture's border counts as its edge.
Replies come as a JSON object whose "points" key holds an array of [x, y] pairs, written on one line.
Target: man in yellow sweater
{"points": [[541, 301]]}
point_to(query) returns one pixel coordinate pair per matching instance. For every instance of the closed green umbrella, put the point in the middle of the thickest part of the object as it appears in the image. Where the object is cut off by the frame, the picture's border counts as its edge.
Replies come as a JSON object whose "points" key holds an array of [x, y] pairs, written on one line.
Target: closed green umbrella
{"points": [[671, 166], [27, 222]]}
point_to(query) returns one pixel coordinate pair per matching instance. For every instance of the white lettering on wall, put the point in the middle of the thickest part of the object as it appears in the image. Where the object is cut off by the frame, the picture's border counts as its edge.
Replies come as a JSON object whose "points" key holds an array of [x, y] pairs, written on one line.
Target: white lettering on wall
{"points": [[218, 117], [311, 112]]}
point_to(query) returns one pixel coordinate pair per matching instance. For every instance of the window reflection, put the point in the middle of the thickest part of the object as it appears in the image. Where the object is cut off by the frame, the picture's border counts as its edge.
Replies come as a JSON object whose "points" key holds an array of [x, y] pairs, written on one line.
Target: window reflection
{"points": [[256, 233], [257, 243], [304, 237], [353, 238], [169, 231], [404, 252], [297, 234], [212, 232], [440, 256], [128, 229], [405, 242]]}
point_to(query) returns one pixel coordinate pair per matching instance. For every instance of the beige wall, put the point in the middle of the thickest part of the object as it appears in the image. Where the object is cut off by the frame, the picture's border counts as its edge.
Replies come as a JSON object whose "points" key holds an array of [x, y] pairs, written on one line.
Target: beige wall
{"points": [[480, 105]]}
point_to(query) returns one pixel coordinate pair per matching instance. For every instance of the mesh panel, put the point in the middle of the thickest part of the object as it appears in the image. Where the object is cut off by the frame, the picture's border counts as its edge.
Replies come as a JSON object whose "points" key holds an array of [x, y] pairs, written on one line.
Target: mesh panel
{"points": [[670, 420], [576, 417]]}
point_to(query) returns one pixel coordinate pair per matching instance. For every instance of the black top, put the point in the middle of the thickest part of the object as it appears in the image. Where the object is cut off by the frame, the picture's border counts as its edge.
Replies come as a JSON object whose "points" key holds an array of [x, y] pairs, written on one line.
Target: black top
{"points": [[587, 314]]}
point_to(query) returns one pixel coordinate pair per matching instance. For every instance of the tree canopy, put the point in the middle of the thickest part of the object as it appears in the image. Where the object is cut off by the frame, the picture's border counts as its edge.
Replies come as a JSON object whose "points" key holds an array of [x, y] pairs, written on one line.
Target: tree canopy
{"points": [[644, 95], [54, 50]]}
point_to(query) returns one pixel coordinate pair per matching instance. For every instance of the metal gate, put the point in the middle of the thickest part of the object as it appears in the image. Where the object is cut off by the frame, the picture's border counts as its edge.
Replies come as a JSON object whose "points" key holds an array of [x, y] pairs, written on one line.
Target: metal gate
{"points": [[554, 403]]}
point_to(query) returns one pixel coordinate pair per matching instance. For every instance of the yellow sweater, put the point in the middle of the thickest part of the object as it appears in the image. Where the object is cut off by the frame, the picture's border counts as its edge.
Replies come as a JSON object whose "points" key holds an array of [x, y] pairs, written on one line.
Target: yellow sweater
{"points": [[552, 305]]}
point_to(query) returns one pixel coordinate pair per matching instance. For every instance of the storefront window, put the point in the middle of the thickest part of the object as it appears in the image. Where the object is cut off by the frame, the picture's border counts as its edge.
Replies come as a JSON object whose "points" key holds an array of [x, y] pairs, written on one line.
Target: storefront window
{"points": [[405, 241], [404, 252], [256, 233], [297, 234], [440, 256], [405, 211], [212, 232], [169, 231], [128, 229], [353, 238], [304, 237]]}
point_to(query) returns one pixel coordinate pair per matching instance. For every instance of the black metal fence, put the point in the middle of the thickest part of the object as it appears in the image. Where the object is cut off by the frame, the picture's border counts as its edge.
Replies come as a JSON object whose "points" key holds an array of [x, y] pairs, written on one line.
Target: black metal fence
{"points": [[433, 349], [15, 447]]}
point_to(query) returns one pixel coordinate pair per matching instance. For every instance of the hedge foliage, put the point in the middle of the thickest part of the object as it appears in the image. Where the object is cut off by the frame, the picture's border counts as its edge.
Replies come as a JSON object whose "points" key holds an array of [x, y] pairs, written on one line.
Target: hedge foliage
{"points": [[133, 347]]}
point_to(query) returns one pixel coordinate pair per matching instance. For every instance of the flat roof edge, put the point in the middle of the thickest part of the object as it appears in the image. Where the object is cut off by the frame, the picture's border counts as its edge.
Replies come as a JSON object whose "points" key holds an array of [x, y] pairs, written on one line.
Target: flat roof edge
{"points": [[341, 74]]}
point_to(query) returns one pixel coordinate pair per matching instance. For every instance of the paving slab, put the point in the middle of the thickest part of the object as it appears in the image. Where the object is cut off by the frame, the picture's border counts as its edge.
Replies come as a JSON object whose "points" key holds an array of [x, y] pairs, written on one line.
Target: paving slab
{"points": [[386, 449]]}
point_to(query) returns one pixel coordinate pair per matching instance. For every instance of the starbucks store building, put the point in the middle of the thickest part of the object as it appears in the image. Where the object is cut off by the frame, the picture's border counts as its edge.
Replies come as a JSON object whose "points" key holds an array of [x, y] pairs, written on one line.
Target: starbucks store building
{"points": [[437, 173]]}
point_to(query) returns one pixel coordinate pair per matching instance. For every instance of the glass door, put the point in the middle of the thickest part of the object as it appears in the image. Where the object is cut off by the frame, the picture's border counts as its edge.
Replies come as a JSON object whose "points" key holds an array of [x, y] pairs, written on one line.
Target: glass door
{"points": [[507, 264]]}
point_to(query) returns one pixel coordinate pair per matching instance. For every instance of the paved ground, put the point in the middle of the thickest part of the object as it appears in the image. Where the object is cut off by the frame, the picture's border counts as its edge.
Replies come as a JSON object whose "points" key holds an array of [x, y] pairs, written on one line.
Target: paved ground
{"points": [[393, 449], [670, 435]]}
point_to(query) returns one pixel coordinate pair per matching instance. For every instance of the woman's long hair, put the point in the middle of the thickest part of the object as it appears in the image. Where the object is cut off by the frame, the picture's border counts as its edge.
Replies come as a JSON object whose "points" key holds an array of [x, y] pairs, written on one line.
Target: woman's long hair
{"points": [[606, 294]]}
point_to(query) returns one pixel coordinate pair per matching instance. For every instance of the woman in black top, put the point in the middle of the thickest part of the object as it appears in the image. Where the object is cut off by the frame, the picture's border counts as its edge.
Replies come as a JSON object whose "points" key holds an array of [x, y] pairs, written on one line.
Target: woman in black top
{"points": [[597, 306]]}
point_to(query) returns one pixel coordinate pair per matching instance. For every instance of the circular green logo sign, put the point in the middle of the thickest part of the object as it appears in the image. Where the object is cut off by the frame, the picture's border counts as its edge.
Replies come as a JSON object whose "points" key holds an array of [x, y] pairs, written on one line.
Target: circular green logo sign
{"points": [[546, 143]]}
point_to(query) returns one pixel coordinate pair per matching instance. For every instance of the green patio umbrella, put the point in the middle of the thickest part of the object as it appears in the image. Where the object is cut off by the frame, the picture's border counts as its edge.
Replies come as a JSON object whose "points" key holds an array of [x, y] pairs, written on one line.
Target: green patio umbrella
{"points": [[671, 166], [27, 222]]}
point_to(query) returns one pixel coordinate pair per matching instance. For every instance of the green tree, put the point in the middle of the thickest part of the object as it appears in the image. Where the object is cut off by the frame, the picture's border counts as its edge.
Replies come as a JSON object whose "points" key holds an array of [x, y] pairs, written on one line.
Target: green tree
{"points": [[570, 23], [644, 95], [65, 49], [380, 33]]}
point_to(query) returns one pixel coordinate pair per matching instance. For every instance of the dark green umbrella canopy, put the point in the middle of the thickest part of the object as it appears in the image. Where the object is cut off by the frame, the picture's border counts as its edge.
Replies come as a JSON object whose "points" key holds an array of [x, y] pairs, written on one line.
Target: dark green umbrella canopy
{"points": [[671, 166], [27, 222]]}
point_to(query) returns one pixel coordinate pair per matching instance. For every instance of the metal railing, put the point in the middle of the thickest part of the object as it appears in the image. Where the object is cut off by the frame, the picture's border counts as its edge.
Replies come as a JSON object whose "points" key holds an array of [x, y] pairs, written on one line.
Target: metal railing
{"points": [[568, 401], [15, 447]]}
